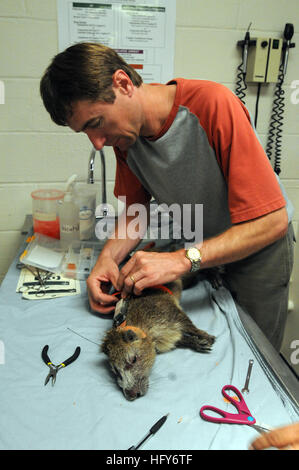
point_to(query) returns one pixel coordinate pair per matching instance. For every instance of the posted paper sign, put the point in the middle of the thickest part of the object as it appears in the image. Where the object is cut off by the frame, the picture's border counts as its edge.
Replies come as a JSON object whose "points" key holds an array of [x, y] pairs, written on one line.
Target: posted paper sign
{"points": [[141, 31]]}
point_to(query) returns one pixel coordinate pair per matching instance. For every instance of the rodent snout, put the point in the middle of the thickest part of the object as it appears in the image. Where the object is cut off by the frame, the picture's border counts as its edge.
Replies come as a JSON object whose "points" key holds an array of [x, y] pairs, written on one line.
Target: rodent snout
{"points": [[137, 391], [131, 394]]}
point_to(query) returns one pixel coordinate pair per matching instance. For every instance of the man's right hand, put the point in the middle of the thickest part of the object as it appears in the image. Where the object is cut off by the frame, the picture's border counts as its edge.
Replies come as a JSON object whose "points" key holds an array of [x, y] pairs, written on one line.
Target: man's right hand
{"points": [[104, 274]]}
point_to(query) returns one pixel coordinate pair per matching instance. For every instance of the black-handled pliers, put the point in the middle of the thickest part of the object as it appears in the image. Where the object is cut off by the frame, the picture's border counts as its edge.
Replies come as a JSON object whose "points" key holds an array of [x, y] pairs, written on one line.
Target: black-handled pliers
{"points": [[53, 367]]}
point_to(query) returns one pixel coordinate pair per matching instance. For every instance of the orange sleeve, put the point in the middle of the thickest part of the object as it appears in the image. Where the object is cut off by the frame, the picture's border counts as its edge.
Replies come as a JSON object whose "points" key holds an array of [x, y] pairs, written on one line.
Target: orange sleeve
{"points": [[253, 189], [127, 184]]}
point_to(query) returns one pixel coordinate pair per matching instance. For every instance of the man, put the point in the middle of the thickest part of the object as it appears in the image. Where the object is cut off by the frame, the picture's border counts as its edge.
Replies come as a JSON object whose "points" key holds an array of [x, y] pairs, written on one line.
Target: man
{"points": [[187, 142], [282, 438]]}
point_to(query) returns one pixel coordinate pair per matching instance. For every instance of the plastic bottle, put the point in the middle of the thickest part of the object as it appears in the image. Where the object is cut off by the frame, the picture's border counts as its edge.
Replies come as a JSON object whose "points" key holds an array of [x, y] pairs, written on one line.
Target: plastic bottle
{"points": [[69, 214], [85, 198]]}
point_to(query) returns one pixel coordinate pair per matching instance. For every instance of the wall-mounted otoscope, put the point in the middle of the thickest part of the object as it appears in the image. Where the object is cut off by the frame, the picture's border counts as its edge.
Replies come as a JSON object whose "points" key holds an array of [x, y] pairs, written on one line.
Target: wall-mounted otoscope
{"points": [[242, 69], [287, 34], [245, 45]]}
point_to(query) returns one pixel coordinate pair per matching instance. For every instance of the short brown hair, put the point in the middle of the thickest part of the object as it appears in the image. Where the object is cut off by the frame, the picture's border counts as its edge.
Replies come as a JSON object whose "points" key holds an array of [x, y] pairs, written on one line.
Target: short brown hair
{"points": [[82, 72]]}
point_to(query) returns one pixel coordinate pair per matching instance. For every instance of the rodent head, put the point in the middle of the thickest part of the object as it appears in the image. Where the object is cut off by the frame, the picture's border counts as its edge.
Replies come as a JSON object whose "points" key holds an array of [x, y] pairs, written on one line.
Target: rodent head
{"points": [[131, 355]]}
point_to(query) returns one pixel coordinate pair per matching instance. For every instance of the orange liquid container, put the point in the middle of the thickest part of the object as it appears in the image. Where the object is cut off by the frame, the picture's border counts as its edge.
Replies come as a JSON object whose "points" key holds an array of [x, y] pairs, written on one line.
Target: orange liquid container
{"points": [[45, 211], [51, 228]]}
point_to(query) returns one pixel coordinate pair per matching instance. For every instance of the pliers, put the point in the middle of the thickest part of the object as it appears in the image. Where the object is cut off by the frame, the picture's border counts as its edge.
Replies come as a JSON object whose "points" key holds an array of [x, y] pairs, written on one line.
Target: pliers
{"points": [[53, 368]]}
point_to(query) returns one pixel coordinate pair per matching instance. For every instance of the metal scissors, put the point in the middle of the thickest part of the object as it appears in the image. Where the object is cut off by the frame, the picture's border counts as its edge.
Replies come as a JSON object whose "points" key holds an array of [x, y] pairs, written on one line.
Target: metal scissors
{"points": [[242, 417]]}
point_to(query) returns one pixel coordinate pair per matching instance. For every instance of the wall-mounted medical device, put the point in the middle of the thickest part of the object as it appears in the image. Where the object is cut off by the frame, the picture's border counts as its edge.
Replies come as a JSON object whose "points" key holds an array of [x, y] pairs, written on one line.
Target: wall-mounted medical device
{"points": [[264, 60]]}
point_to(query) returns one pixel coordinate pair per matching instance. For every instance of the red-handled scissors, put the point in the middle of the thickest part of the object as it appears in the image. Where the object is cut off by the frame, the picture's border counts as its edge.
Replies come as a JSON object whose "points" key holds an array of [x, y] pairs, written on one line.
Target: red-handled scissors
{"points": [[242, 417]]}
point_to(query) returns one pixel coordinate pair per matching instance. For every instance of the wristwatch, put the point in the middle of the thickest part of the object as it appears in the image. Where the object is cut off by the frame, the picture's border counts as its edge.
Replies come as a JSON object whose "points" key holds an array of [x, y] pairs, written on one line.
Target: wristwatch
{"points": [[193, 254]]}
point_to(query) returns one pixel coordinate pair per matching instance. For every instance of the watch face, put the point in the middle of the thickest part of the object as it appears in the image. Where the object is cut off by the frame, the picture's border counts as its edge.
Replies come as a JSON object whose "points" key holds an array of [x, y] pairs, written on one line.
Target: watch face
{"points": [[194, 254]]}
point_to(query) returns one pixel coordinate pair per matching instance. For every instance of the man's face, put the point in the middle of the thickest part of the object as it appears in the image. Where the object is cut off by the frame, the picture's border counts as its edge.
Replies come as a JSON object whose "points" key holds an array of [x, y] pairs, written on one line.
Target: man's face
{"points": [[114, 124]]}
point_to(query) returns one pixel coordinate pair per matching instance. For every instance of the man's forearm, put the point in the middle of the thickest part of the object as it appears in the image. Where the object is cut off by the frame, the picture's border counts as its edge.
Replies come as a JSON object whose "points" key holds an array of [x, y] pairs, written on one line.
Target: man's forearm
{"points": [[239, 241], [243, 239], [123, 240], [118, 249]]}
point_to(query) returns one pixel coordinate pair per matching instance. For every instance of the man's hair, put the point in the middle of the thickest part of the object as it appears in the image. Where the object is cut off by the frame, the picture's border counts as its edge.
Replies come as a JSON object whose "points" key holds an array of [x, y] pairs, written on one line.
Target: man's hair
{"points": [[82, 72]]}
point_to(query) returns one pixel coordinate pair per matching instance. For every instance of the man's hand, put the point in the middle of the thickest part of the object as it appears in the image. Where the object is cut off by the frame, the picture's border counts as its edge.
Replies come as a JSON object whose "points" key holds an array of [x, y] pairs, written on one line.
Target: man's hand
{"points": [[285, 438], [146, 269], [99, 282]]}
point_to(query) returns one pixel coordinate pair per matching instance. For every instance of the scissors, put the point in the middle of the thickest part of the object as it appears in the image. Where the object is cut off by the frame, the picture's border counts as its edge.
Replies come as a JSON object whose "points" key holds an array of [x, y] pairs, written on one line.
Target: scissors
{"points": [[242, 417]]}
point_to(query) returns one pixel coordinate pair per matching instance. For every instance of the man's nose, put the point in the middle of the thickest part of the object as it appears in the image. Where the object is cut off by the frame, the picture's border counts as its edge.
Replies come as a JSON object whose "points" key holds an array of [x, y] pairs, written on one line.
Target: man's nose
{"points": [[97, 140]]}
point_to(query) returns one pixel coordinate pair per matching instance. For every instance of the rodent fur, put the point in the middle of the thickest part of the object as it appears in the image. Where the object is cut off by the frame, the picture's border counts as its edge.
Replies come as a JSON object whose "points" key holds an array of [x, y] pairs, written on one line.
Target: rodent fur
{"points": [[162, 325]]}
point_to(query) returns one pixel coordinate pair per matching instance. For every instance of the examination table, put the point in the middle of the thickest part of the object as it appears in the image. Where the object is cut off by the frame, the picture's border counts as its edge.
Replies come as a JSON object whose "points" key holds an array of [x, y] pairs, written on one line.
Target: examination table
{"points": [[85, 409]]}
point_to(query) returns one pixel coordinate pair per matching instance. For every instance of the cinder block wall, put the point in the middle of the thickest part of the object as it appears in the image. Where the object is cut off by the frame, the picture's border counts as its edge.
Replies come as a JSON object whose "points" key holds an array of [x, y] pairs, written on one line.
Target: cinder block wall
{"points": [[35, 153]]}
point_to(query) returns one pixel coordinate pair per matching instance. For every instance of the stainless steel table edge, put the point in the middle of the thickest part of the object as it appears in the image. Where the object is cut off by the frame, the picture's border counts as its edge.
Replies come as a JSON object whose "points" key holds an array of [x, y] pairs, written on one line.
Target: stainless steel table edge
{"points": [[285, 376]]}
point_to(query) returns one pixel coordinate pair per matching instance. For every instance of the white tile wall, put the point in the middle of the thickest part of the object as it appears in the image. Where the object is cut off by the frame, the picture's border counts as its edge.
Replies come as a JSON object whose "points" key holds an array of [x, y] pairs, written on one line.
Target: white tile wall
{"points": [[34, 152]]}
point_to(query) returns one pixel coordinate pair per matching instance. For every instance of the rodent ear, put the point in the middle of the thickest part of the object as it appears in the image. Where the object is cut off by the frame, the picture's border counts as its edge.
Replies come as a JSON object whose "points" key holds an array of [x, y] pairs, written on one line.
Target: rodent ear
{"points": [[129, 336]]}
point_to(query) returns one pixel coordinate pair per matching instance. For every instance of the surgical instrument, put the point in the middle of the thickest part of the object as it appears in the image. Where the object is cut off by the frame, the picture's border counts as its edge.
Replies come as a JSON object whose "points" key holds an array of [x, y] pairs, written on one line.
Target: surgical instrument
{"points": [[243, 416], [245, 388], [151, 432], [53, 368]]}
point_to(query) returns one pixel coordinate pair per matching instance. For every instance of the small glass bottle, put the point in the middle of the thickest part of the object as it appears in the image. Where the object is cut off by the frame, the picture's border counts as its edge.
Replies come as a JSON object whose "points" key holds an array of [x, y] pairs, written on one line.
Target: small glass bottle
{"points": [[69, 215]]}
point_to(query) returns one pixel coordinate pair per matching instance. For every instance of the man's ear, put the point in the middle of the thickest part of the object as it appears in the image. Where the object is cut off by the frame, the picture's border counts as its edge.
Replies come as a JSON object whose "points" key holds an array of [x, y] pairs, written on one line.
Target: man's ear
{"points": [[122, 82]]}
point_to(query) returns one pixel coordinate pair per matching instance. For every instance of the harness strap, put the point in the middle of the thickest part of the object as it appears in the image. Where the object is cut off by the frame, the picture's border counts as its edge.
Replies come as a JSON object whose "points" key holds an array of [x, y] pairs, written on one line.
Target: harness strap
{"points": [[158, 286], [161, 287]]}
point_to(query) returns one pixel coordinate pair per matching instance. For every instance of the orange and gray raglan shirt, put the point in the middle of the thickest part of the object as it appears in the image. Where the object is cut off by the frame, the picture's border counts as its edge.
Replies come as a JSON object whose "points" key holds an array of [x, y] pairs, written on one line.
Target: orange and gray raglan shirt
{"points": [[206, 153]]}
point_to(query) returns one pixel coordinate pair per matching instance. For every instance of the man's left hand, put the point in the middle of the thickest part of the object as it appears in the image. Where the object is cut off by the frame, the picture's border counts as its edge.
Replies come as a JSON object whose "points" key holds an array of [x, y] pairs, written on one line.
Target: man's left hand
{"points": [[146, 269]]}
